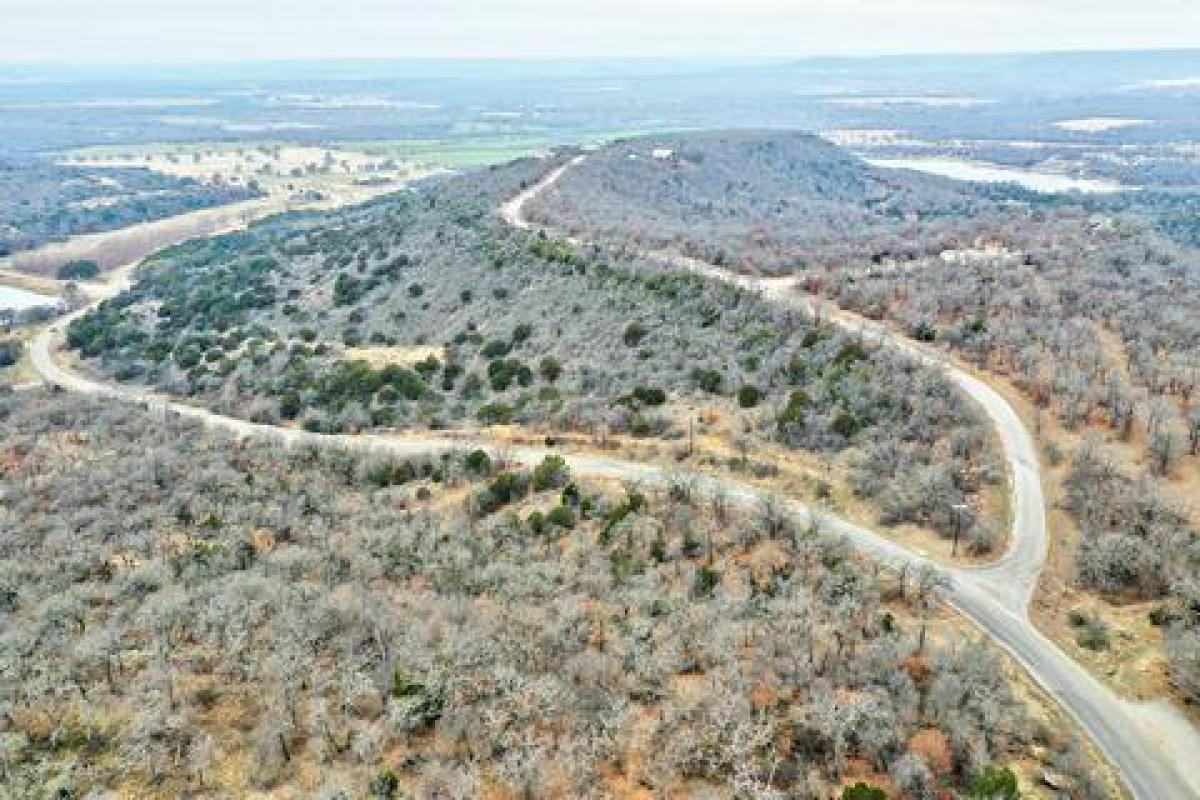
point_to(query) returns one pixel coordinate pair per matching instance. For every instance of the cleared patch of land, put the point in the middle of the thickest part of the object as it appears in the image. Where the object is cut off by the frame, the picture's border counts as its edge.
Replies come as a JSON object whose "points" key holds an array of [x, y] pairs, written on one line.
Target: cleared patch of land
{"points": [[301, 175], [1099, 124], [292, 179]]}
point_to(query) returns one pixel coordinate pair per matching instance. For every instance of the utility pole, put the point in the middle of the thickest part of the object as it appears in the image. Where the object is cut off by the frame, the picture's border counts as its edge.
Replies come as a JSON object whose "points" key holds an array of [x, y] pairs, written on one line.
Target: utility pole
{"points": [[959, 510]]}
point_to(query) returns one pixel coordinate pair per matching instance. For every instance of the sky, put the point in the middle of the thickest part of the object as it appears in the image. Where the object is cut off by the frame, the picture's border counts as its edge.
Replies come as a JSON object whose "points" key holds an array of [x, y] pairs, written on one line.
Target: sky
{"points": [[131, 31]]}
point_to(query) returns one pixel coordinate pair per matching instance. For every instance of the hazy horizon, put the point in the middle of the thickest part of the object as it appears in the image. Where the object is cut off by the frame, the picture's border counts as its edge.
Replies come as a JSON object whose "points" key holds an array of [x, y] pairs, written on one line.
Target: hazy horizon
{"points": [[224, 31], [632, 59]]}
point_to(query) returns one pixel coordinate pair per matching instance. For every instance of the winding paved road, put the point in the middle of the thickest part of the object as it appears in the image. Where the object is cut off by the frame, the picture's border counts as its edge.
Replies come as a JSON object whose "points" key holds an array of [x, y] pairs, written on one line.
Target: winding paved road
{"points": [[1152, 745], [996, 598]]}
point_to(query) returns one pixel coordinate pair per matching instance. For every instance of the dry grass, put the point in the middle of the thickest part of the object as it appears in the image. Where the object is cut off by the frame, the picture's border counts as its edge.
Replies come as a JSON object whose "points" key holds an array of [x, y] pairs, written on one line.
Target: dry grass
{"points": [[22, 372], [28, 282], [113, 249], [402, 356]]}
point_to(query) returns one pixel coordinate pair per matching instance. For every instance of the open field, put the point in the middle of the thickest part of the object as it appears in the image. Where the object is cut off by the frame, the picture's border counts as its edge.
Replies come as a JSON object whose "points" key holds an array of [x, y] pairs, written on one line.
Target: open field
{"points": [[127, 245], [458, 153], [294, 171], [297, 179], [30, 282]]}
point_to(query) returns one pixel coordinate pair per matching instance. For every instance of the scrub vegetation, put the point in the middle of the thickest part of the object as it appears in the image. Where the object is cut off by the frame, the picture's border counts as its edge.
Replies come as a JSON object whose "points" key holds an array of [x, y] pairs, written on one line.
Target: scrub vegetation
{"points": [[307, 320], [1089, 306], [187, 614]]}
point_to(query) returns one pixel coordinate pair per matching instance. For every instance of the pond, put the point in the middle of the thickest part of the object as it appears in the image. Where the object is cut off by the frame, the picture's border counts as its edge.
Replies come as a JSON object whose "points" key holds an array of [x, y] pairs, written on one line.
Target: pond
{"points": [[12, 299], [963, 170]]}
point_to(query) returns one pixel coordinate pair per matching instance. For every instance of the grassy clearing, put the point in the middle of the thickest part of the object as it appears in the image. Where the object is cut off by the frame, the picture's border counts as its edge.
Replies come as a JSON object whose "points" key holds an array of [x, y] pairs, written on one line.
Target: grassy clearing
{"points": [[464, 153], [300, 173], [30, 283]]}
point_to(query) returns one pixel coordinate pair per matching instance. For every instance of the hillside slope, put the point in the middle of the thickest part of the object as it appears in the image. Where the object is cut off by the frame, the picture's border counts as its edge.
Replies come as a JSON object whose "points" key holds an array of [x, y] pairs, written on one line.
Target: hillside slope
{"points": [[775, 199], [423, 310]]}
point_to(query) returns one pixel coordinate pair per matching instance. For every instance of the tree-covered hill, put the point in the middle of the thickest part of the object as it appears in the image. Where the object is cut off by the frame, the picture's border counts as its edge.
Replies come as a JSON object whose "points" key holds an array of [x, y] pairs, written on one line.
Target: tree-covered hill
{"points": [[773, 199], [424, 310]]}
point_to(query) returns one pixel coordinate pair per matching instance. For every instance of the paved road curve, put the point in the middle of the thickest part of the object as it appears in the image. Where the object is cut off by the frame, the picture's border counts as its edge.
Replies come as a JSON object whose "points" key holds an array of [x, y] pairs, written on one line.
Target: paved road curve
{"points": [[995, 598]]}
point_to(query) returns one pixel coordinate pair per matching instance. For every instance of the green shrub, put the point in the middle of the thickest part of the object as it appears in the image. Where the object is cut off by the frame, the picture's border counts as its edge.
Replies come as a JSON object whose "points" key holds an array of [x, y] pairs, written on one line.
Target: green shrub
{"points": [[10, 352], [561, 516], [391, 473], [495, 349], [649, 396], [749, 396], [995, 783], [863, 791], [496, 414], [845, 424], [706, 581], [634, 334], [550, 474], [478, 462], [521, 333], [347, 289], [1161, 616], [709, 380], [1093, 635], [505, 488], [290, 405], [549, 369], [385, 785], [849, 353], [633, 503], [78, 270], [643, 426], [423, 704], [503, 371], [791, 418]]}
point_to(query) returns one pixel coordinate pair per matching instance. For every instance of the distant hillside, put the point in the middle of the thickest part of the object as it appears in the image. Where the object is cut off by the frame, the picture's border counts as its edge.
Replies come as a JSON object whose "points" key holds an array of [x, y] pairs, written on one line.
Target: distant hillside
{"points": [[758, 198], [42, 202]]}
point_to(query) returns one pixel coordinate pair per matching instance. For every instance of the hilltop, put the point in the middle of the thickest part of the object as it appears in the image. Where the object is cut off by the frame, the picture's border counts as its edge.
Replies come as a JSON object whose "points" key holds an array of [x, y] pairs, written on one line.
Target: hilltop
{"points": [[776, 199]]}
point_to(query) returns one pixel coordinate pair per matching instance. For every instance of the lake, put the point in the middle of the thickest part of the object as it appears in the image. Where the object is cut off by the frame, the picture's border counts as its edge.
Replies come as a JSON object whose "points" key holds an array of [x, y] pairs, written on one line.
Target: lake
{"points": [[963, 170], [18, 299]]}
